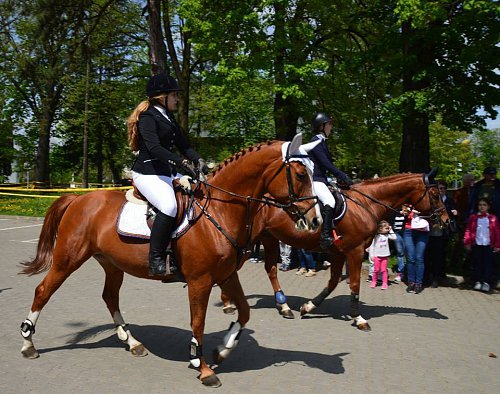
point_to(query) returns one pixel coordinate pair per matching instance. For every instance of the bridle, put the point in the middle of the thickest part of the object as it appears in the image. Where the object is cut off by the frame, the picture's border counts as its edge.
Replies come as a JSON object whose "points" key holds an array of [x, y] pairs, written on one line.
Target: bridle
{"points": [[435, 215], [290, 207]]}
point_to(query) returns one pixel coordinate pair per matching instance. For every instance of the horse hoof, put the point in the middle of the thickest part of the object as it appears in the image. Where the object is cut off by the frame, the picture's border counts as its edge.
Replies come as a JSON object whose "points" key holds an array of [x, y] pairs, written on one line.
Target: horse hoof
{"points": [[139, 351], [287, 314], [30, 353], [229, 310], [364, 327], [211, 381]]}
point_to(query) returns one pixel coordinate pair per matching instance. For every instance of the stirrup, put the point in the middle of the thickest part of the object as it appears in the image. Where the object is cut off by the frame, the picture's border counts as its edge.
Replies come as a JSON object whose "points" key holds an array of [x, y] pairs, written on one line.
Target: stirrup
{"points": [[337, 238]]}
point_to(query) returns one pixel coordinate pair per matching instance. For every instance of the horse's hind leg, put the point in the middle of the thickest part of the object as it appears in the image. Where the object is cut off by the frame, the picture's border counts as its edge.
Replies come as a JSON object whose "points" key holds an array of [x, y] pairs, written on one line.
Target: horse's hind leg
{"points": [[232, 287], [63, 264], [271, 253], [111, 296]]}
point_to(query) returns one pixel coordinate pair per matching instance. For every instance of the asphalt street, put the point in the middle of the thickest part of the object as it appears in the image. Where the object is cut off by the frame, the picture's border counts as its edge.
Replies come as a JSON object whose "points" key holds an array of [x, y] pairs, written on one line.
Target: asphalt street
{"points": [[440, 341]]}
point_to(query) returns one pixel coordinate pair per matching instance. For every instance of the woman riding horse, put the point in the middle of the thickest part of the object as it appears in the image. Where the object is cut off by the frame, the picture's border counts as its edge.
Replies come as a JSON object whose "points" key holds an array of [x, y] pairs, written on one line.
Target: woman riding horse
{"points": [[153, 133]]}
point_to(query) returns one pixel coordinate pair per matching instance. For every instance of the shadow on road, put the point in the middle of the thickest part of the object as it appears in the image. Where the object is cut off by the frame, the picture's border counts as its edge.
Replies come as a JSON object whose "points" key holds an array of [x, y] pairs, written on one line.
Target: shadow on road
{"points": [[171, 343]]}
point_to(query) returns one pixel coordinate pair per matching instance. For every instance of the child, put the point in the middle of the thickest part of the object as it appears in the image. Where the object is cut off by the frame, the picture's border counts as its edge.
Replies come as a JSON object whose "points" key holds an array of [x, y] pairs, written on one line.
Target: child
{"points": [[379, 250], [482, 235]]}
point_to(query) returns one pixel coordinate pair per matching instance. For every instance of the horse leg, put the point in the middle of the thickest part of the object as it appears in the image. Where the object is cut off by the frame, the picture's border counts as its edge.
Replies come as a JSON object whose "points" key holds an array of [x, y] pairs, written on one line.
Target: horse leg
{"points": [[337, 261], [233, 288], [111, 296], [64, 263], [199, 293], [355, 260], [272, 253], [228, 306]]}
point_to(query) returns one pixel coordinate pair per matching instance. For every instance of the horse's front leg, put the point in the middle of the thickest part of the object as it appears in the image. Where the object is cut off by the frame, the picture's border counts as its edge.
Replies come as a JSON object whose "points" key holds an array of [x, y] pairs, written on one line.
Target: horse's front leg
{"points": [[355, 260], [337, 260], [232, 288], [111, 296], [199, 292], [272, 255]]}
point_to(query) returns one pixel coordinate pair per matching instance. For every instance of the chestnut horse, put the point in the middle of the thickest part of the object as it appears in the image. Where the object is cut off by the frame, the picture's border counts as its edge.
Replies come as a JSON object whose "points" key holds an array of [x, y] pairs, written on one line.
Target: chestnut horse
{"points": [[209, 253], [368, 203]]}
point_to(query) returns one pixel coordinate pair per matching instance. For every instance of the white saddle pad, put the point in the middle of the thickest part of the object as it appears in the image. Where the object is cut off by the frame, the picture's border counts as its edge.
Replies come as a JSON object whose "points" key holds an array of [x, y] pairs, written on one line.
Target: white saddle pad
{"points": [[132, 222]]}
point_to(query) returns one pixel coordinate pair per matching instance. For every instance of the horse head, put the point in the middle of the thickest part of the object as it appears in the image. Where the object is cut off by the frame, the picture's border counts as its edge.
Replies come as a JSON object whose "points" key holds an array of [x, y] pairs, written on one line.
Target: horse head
{"points": [[290, 183], [433, 203]]}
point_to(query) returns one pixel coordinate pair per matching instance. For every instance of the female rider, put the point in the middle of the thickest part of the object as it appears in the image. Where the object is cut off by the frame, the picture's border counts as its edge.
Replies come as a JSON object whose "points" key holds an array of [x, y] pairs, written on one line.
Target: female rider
{"points": [[153, 132]]}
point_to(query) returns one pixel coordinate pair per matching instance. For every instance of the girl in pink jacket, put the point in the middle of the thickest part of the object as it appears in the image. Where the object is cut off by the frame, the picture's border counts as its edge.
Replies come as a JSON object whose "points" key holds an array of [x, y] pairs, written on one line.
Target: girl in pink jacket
{"points": [[482, 235]]}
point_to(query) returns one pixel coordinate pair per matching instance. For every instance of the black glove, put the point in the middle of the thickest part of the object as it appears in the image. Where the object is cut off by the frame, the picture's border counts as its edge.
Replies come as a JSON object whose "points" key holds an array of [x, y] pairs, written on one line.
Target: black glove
{"points": [[202, 166], [347, 182], [188, 168]]}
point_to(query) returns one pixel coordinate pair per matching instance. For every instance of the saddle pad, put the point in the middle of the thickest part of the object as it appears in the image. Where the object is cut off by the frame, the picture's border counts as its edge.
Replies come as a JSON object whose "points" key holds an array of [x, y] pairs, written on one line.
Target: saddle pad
{"points": [[340, 207], [131, 222]]}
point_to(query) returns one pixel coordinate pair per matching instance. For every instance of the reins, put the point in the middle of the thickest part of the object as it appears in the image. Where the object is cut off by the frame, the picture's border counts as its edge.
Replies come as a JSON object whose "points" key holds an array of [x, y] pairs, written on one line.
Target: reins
{"points": [[269, 201]]}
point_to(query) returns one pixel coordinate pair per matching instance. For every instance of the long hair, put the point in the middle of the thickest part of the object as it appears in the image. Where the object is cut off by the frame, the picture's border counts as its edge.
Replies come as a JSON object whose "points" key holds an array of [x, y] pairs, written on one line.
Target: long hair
{"points": [[133, 119]]}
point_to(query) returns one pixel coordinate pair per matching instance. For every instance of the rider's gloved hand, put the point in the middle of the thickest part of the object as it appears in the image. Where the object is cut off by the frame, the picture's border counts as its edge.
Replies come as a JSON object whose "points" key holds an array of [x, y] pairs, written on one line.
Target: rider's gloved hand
{"points": [[346, 182], [185, 182], [202, 166], [188, 168]]}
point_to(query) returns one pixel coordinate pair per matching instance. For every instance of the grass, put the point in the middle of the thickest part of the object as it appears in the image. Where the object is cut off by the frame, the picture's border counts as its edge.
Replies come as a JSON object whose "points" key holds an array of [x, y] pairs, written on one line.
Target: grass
{"points": [[24, 206]]}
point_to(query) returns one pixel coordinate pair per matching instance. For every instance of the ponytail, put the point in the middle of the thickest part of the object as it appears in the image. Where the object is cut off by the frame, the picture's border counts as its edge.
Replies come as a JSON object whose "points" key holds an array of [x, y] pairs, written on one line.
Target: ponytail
{"points": [[133, 119]]}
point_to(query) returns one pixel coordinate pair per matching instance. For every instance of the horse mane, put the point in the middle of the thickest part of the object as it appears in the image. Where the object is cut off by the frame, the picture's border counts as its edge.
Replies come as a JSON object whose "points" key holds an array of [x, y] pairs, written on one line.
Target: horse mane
{"points": [[388, 178], [241, 153]]}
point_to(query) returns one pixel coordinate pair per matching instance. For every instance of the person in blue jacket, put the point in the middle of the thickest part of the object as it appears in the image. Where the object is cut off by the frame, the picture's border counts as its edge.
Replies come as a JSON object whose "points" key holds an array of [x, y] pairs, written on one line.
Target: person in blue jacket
{"points": [[323, 163], [153, 133]]}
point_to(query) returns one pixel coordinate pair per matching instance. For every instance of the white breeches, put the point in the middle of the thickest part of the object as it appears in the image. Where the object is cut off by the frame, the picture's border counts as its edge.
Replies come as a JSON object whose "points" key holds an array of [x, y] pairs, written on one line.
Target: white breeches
{"points": [[324, 194], [158, 190]]}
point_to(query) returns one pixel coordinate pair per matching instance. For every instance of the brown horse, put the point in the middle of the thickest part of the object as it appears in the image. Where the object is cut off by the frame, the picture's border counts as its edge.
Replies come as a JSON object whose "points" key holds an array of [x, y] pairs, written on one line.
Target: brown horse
{"points": [[368, 202], [209, 253]]}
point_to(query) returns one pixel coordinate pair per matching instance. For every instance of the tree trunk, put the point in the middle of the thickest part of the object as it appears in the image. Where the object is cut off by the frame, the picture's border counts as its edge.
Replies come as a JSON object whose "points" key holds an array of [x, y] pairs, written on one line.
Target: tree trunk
{"points": [[42, 168], [285, 116], [157, 49], [414, 155]]}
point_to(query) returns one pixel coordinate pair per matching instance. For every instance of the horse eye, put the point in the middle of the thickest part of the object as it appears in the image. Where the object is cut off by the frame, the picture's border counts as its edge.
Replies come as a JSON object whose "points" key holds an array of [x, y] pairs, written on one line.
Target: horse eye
{"points": [[301, 176]]}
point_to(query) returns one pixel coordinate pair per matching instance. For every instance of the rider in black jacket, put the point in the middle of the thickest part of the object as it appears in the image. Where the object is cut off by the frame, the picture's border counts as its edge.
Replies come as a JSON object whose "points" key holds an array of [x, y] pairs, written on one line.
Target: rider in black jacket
{"points": [[153, 133], [323, 163]]}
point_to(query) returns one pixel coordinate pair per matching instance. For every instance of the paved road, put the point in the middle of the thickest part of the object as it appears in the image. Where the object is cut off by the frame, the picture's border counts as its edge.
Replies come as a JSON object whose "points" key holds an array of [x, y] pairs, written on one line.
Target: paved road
{"points": [[438, 341]]}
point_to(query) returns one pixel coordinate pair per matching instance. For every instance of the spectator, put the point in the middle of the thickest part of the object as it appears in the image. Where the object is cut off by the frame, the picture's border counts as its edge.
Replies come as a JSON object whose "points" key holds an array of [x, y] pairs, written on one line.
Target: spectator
{"points": [[285, 252], [416, 236], [307, 263], [255, 256], [482, 235], [461, 198], [438, 241], [379, 250], [398, 221], [489, 188]]}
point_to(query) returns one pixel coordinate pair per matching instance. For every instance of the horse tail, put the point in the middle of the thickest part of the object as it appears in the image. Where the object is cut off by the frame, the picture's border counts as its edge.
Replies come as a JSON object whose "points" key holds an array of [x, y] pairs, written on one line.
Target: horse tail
{"points": [[48, 235]]}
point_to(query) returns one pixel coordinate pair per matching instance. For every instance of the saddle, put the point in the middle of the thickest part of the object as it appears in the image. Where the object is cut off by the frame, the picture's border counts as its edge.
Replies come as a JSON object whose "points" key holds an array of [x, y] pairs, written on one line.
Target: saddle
{"points": [[136, 216], [340, 204]]}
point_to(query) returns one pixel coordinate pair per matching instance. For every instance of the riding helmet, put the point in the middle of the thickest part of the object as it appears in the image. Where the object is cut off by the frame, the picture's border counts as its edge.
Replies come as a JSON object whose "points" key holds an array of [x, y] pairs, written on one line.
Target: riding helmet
{"points": [[318, 120], [161, 83]]}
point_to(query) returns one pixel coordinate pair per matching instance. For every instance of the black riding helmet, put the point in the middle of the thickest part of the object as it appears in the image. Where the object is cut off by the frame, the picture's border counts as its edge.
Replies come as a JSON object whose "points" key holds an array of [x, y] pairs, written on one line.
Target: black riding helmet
{"points": [[161, 83], [318, 120]]}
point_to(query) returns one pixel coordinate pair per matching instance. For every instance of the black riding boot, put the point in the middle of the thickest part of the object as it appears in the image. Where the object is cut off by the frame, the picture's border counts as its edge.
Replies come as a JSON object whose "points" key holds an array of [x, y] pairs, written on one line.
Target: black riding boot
{"points": [[326, 231], [160, 237]]}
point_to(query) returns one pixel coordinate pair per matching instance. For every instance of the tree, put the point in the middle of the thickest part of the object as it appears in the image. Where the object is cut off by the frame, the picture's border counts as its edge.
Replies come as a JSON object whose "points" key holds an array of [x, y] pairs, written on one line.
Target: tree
{"points": [[40, 44]]}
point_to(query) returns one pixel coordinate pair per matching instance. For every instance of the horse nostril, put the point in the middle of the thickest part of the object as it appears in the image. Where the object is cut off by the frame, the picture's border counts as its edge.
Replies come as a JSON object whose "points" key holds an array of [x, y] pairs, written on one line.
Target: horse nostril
{"points": [[315, 223]]}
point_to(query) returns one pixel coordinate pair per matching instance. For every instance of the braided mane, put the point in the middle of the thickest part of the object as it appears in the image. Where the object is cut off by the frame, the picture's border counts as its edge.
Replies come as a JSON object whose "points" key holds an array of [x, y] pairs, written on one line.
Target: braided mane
{"points": [[383, 178], [241, 153]]}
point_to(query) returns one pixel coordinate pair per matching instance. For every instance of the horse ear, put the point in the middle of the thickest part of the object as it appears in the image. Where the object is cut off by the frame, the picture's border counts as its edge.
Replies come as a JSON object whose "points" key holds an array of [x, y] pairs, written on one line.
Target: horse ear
{"points": [[310, 146], [429, 178], [295, 144]]}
